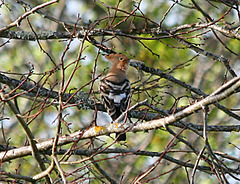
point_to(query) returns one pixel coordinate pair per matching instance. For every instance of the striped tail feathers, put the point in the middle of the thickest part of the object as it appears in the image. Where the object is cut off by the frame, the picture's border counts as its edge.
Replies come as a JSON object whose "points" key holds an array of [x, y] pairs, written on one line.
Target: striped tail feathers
{"points": [[115, 97]]}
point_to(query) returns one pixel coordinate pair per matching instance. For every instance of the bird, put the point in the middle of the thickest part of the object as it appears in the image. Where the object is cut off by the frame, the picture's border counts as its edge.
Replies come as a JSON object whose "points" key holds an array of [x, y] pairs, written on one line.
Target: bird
{"points": [[115, 88]]}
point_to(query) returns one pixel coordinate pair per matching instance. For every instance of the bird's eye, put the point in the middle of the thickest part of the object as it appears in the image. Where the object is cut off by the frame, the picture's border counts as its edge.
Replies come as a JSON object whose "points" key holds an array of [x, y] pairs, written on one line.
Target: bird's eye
{"points": [[120, 59]]}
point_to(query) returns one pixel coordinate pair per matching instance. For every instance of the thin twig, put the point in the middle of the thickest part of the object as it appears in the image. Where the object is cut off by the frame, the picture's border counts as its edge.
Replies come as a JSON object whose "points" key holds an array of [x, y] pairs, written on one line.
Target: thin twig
{"points": [[34, 149], [20, 18]]}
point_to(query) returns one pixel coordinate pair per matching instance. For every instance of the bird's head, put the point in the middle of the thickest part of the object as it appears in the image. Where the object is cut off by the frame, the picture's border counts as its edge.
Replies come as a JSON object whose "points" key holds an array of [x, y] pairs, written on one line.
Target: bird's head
{"points": [[120, 61]]}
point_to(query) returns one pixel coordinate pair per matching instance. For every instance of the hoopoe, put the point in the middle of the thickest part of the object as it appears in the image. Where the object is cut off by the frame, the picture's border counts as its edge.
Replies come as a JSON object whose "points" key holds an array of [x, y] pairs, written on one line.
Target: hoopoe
{"points": [[115, 88]]}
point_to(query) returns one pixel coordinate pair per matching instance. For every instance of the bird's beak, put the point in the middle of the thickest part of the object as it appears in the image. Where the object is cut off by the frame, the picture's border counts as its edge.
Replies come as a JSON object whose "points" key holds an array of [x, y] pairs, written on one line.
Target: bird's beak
{"points": [[136, 61]]}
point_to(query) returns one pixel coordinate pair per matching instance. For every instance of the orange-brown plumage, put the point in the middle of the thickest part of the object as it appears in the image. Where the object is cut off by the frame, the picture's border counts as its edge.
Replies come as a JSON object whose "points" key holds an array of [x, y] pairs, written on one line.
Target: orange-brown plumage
{"points": [[115, 87]]}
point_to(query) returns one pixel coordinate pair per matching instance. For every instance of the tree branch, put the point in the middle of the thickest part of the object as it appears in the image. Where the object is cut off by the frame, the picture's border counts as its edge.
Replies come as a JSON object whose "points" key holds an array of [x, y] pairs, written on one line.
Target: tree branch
{"points": [[223, 92], [140, 66], [19, 19]]}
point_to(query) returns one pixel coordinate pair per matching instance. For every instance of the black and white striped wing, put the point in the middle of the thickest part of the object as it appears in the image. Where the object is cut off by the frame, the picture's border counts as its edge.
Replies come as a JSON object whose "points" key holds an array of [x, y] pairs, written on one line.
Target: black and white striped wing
{"points": [[115, 96]]}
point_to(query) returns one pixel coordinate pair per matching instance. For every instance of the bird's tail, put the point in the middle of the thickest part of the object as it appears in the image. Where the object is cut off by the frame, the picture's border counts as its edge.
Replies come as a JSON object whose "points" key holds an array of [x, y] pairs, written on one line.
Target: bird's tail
{"points": [[121, 137]]}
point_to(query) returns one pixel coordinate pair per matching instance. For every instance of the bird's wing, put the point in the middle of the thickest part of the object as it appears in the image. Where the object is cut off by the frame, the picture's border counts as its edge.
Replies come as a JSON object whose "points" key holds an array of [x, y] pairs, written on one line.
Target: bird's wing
{"points": [[115, 96]]}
